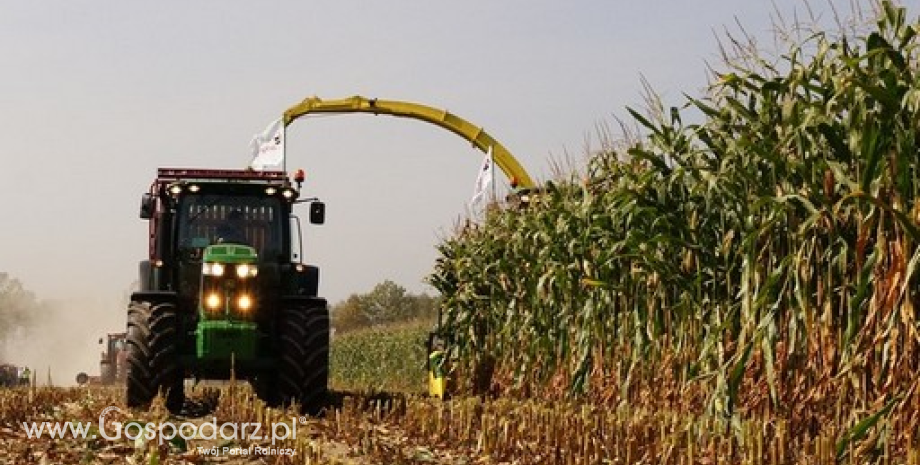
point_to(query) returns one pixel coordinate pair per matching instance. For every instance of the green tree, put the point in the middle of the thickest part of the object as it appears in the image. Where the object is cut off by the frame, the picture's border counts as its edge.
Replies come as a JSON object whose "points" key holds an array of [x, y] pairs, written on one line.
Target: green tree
{"points": [[16, 304], [19, 308], [387, 302], [349, 314]]}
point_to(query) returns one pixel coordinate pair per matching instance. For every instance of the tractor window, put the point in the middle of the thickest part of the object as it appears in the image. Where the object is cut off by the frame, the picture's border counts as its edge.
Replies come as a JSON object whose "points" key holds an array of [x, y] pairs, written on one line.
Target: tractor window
{"points": [[115, 346], [296, 241], [248, 220]]}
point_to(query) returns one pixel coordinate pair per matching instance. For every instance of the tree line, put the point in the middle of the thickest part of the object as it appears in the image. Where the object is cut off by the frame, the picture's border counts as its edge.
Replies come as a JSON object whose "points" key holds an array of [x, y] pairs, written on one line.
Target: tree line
{"points": [[19, 309], [386, 303]]}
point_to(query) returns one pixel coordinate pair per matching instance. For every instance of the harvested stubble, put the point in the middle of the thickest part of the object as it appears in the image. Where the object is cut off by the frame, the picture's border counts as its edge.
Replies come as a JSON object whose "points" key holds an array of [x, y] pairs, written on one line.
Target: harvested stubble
{"points": [[531, 432]]}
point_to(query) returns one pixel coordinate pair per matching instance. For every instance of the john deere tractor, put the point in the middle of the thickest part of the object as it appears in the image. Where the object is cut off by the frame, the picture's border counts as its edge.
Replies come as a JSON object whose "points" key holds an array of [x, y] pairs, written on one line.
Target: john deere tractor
{"points": [[223, 292]]}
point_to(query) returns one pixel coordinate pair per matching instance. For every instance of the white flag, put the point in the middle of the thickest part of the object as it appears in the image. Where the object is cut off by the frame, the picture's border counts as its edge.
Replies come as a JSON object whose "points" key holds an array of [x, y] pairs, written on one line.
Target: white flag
{"points": [[486, 173], [268, 147]]}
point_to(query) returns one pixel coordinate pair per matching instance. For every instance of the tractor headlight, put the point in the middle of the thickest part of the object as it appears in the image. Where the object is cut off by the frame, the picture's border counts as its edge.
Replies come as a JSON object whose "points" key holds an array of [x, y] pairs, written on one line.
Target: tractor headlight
{"points": [[288, 193], [212, 301], [212, 269], [246, 270], [244, 302]]}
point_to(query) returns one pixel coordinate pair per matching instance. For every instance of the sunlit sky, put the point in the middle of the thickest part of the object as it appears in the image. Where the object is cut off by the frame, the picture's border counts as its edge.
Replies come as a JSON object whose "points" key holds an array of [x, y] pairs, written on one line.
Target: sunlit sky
{"points": [[95, 96]]}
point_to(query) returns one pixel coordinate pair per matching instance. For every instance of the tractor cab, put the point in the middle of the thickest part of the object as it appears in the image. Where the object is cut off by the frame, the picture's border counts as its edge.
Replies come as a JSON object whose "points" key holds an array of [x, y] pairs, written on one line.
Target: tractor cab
{"points": [[224, 218], [251, 212], [111, 360]]}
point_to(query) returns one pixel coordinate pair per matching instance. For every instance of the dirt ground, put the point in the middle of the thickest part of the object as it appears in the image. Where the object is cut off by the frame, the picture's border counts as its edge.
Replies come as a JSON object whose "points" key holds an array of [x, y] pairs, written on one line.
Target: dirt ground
{"points": [[218, 426]]}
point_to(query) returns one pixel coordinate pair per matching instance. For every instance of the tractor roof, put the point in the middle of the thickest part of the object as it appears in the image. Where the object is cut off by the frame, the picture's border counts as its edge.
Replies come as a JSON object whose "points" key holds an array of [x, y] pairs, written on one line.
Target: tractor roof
{"points": [[195, 174], [187, 176]]}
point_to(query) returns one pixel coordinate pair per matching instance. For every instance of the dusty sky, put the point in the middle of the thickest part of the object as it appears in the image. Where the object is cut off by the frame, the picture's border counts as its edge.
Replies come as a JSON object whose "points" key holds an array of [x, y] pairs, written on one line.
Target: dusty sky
{"points": [[94, 97]]}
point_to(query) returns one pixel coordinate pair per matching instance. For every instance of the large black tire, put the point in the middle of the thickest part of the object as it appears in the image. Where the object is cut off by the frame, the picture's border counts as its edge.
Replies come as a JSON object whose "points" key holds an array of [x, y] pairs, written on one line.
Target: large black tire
{"points": [[314, 395], [283, 386], [164, 345], [140, 384], [151, 355]]}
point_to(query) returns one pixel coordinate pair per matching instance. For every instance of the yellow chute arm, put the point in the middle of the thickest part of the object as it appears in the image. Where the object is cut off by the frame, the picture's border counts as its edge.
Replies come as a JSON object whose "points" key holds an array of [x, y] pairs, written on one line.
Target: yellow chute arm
{"points": [[463, 128]]}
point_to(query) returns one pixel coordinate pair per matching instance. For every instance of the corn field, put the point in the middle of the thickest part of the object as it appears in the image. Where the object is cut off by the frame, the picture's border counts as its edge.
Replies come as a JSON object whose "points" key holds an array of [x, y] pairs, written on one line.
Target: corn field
{"points": [[389, 358], [756, 263]]}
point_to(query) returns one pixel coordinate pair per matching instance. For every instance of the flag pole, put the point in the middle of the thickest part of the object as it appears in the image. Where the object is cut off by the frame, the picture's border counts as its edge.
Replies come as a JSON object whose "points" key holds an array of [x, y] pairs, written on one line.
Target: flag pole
{"points": [[283, 146], [492, 173]]}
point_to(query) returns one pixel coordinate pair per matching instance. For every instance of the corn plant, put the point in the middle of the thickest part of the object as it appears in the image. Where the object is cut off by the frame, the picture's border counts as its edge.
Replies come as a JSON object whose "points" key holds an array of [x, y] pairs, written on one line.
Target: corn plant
{"points": [[760, 260]]}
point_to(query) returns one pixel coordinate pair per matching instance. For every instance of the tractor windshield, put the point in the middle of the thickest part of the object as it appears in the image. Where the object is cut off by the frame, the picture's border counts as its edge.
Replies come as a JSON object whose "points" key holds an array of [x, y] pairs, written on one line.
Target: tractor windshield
{"points": [[247, 220]]}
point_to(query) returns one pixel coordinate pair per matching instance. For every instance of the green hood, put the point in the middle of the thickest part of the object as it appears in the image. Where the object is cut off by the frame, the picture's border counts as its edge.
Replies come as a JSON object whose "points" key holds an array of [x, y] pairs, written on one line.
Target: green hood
{"points": [[230, 253]]}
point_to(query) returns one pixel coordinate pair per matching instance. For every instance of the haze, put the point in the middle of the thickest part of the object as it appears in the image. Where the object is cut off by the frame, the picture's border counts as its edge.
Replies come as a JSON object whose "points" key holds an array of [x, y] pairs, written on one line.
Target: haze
{"points": [[96, 96]]}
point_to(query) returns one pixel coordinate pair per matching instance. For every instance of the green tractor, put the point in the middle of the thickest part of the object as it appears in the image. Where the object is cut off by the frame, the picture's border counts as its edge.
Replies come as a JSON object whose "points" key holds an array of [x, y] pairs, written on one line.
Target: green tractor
{"points": [[223, 293]]}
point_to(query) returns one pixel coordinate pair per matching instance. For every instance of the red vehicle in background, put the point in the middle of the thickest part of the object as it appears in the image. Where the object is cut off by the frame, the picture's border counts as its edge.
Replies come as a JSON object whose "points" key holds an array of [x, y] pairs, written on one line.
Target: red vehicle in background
{"points": [[112, 363]]}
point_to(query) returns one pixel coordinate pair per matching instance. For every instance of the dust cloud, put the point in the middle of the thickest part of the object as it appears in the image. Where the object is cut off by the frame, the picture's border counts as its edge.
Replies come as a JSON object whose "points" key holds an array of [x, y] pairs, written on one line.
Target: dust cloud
{"points": [[61, 339]]}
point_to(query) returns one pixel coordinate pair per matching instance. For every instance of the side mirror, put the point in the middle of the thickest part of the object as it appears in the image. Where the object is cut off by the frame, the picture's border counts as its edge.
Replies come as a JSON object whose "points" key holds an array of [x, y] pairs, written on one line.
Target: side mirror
{"points": [[148, 206], [317, 212]]}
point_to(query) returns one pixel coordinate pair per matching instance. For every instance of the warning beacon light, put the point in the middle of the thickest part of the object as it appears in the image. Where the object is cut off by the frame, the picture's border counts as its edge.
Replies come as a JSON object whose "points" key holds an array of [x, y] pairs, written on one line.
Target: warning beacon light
{"points": [[299, 177]]}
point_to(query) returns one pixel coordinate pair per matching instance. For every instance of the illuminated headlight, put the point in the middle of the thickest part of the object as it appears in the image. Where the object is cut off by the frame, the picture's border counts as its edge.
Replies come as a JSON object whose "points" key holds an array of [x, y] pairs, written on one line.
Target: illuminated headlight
{"points": [[212, 301], [246, 270], [175, 189], [212, 269], [271, 190], [289, 193], [244, 302]]}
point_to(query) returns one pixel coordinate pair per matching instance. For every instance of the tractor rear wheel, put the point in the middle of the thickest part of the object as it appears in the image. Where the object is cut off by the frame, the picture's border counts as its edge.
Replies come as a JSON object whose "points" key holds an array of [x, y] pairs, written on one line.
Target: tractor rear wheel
{"points": [[140, 384], [316, 360], [283, 385], [151, 349], [290, 371], [164, 343]]}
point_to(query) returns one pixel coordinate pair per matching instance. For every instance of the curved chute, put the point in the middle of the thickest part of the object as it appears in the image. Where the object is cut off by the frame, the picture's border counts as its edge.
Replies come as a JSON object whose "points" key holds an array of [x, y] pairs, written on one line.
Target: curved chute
{"points": [[463, 128]]}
